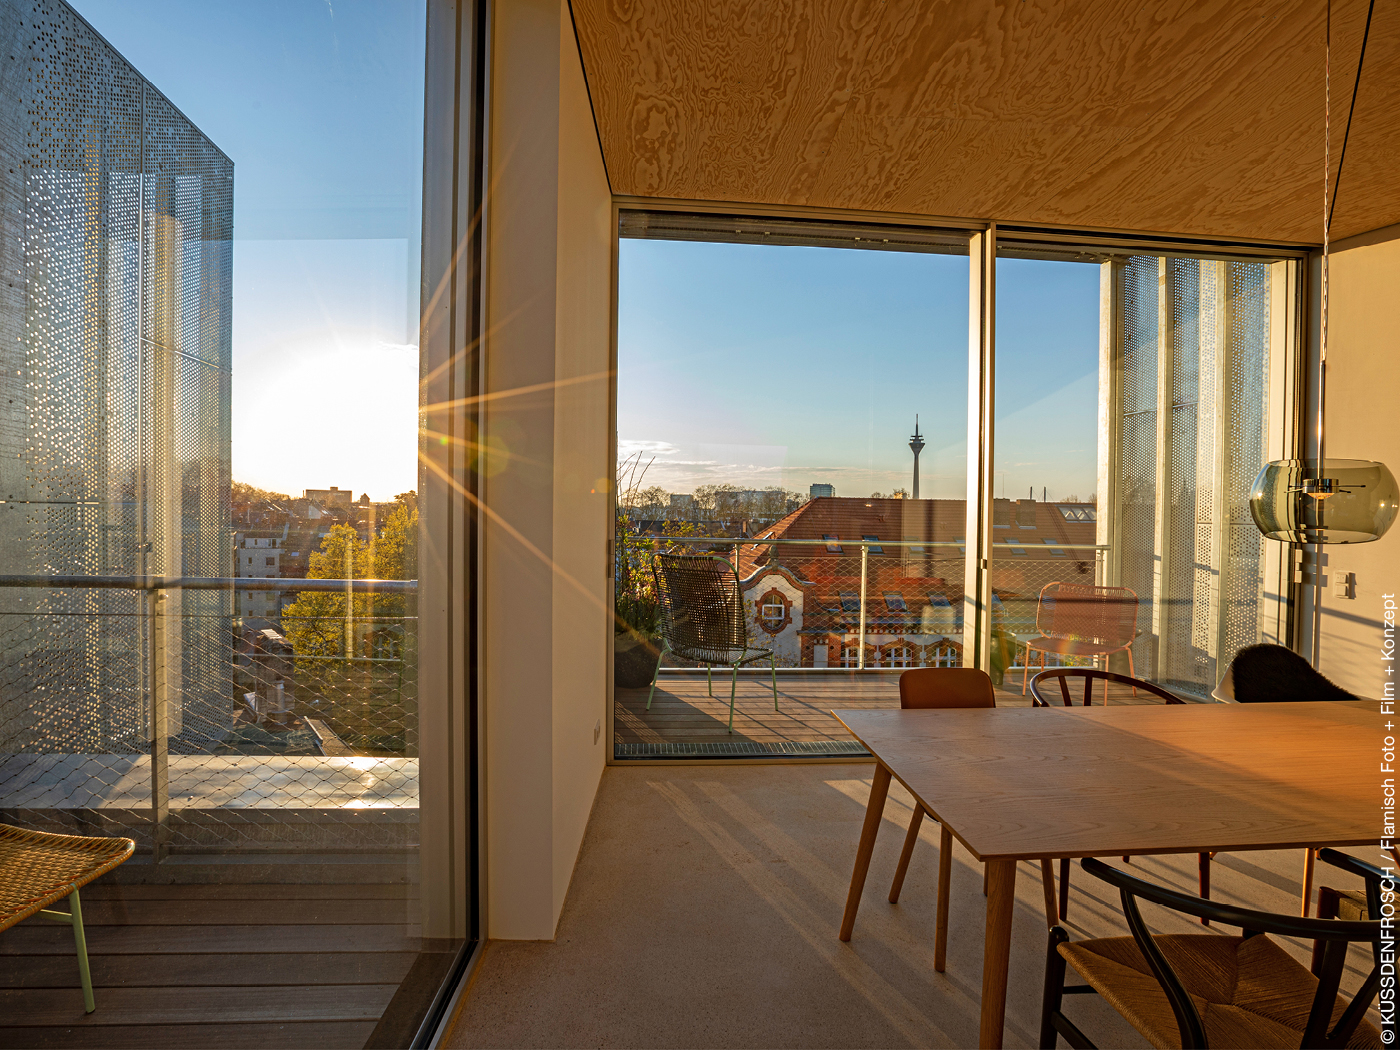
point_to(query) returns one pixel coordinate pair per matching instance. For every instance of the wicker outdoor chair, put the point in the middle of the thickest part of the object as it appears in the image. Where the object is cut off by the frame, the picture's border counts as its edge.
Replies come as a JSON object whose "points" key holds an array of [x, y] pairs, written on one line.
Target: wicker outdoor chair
{"points": [[37, 868], [702, 619]]}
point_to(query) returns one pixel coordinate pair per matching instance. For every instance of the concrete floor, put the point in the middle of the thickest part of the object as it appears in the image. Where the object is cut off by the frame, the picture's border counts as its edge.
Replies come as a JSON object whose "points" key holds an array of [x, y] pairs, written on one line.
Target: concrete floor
{"points": [[704, 909]]}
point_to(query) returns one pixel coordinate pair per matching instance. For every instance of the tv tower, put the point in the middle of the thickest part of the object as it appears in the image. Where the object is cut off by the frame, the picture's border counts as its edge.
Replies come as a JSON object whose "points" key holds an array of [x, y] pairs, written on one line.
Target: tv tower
{"points": [[916, 445]]}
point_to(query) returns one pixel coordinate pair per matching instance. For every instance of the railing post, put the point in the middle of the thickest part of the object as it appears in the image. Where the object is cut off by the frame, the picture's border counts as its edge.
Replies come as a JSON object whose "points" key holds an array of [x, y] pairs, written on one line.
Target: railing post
{"points": [[860, 645], [160, 741]]}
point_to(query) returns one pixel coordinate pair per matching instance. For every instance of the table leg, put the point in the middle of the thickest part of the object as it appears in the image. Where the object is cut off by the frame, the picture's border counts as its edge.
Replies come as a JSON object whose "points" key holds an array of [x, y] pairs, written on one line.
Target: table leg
{"points": [[945, 880], [996, 957], [1047, 881], [874, 812]]}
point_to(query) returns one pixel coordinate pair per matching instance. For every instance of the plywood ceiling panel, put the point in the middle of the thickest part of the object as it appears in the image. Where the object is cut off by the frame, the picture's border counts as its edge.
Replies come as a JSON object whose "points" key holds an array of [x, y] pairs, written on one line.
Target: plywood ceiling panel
{"points": [[1200, 118]]}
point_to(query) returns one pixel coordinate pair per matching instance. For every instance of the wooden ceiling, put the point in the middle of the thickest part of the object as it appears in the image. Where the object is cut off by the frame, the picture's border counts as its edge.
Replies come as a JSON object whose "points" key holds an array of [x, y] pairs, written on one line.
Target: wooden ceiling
{"points": [[1200, 117]]}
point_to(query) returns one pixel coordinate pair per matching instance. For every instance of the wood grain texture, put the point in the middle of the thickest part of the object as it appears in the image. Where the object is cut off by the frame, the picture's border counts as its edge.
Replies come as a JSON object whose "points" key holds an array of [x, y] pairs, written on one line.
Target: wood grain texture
{"points": [[332, 1035], [1114, 781], [119, 1006], [181, 971], [1199, 117], [55, 939]]}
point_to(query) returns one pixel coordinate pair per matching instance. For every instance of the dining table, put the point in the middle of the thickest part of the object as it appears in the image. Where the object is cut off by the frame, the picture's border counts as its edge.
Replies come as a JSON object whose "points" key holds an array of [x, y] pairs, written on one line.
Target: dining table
{"points": [[1038, 784]]}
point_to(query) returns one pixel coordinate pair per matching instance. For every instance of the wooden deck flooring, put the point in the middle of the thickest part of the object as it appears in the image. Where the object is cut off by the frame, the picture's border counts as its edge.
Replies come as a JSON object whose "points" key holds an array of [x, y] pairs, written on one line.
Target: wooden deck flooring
{"points": [[219, 966], [683, 713]]}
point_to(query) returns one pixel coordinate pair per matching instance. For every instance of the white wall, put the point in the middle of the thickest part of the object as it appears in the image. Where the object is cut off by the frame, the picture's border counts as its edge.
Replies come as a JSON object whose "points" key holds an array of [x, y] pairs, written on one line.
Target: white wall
{"points": [[544, 580], [1363, 422]]}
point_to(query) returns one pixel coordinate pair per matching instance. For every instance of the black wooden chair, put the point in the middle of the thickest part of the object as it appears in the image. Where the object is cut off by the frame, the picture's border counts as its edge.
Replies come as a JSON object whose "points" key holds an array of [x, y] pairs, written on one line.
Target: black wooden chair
{"points": [[1204, 989], [1274, 674], [1040, 690], [702, 619]]}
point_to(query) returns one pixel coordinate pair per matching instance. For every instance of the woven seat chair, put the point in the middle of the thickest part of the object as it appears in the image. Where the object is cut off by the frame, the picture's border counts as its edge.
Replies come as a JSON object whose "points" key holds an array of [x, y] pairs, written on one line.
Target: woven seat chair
{"points": [[37, 868], [1196, 990], [1075, 619], [702, 619]]}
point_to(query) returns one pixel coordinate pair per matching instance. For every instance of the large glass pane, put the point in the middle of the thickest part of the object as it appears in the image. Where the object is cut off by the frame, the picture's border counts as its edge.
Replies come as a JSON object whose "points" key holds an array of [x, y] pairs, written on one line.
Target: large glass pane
{"points": [[1132, 404], [211, 435], [771, 378]]}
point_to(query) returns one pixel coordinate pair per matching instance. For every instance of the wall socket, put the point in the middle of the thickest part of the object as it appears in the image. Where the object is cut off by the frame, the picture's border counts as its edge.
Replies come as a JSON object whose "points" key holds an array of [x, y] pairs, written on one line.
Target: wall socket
{"points": [[597, 730], [1344, 585]]}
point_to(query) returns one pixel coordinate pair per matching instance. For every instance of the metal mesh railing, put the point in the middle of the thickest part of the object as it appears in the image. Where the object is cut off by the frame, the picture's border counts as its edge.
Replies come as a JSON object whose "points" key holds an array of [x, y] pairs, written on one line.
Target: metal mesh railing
{"points": [[138, 706]]}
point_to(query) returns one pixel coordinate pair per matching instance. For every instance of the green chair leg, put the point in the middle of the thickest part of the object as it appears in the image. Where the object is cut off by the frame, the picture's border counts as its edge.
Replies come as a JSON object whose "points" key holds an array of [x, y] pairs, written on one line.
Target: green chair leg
{"points": [[733, 685], [80, 942], [709, 679], [74, 918], [774, 659], [657, 673]]}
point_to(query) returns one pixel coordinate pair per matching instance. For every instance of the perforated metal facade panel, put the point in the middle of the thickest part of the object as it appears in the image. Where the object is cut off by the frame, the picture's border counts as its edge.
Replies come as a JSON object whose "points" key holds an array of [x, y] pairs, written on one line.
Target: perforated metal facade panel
{"points": [[1138, 437], [115, 348], [1191, 550]]}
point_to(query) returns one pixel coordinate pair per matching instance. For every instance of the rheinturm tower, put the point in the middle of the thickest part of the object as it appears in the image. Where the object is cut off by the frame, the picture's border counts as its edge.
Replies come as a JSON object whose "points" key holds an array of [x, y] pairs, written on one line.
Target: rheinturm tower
{"points": [[916, 445]]}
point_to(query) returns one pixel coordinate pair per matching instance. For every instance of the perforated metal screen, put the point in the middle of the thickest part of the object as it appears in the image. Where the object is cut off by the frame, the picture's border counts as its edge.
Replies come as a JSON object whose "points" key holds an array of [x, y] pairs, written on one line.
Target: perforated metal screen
{"points": [[1196, 337]]}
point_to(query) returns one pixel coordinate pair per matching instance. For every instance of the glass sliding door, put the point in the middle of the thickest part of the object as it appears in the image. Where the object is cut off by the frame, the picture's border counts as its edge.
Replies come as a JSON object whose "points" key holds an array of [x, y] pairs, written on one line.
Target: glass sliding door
{"points": [[1137, 397], [791, 400], [210, 532], [1200, 363]]}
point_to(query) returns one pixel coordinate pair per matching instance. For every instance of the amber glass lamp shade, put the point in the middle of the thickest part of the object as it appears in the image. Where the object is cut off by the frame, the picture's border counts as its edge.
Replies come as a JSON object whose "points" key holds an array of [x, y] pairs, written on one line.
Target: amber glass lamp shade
{"points": [[1360, 508]]}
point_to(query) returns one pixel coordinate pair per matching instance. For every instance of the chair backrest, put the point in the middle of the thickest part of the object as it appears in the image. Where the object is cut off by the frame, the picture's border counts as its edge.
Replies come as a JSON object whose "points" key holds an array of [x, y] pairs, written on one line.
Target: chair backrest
{"points": [[1040, 686], [1103, 615], [702, 611], [926, 687], [1261, 674], [1335, 934]]}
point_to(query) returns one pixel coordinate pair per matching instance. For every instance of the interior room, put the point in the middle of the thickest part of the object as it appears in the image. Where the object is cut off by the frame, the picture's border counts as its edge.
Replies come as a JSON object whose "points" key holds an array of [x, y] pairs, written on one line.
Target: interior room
{"points": [[871, 524]]}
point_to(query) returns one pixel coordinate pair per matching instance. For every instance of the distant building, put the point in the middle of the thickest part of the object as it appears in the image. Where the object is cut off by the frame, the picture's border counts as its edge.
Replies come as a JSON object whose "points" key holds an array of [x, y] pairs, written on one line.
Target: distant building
{"points": [[258, 556], [820, 491], [804, 600], [331, 497]]}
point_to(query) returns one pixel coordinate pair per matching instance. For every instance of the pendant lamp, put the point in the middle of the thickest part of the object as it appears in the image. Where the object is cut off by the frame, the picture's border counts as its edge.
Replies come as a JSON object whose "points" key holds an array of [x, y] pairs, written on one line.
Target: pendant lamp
{"points": [[1326, 500]]}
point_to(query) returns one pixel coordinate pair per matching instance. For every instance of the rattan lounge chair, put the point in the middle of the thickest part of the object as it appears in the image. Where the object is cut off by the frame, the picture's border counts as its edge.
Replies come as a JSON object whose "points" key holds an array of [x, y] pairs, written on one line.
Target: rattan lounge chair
{"points": [[37, 868], [702, 619]]}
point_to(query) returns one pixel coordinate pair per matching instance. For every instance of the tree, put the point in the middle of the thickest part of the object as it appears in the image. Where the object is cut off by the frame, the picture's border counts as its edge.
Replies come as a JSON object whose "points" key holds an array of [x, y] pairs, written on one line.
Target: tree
{"points": [[242, 492]]}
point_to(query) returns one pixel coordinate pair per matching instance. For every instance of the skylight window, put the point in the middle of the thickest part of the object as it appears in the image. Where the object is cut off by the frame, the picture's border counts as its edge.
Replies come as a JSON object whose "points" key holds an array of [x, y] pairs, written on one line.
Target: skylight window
{"points": [[1055, 548], [850, 601], [832, 547], [894, 601], [875, 548]]}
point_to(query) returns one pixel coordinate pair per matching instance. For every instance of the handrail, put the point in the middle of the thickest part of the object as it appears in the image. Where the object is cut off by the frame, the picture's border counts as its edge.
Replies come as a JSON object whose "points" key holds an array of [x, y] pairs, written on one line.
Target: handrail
{"points": [[214, 583], [652, 540], [745, 541]]}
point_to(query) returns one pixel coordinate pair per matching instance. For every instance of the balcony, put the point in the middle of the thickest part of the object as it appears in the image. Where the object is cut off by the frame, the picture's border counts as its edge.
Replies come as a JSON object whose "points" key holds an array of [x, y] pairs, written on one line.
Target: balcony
{"points": [[270, 780], [844, 618]]}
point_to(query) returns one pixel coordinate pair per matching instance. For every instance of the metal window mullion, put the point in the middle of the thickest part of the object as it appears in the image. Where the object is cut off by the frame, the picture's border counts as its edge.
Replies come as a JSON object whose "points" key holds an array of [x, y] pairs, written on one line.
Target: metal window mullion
{"points": [[1108, 524], [1162, 509], [977, 596], [1280, 429], [1219, 495]]}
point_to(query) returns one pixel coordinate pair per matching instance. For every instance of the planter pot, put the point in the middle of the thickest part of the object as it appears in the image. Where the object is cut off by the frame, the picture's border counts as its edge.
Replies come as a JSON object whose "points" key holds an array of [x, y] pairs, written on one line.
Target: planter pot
{"points": [[634, 660]]}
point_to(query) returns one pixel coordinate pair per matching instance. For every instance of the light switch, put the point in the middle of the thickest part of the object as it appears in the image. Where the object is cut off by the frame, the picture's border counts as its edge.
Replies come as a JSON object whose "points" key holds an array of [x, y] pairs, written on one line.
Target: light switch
{"points": [[1344, 585]]}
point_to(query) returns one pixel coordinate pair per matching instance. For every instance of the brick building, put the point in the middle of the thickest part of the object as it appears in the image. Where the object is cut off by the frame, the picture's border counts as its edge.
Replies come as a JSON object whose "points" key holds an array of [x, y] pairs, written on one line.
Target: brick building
{"points": [[804, 598]]}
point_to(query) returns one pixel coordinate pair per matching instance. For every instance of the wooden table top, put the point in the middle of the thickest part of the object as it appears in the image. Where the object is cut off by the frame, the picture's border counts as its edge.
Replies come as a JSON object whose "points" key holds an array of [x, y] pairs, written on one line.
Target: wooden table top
{"points": [[1109, 781]]}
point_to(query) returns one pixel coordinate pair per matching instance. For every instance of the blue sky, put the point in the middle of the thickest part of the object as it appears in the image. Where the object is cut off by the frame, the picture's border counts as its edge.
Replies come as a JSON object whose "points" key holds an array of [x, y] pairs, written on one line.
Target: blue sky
{"points": [[320, 105], [761, 365]]}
